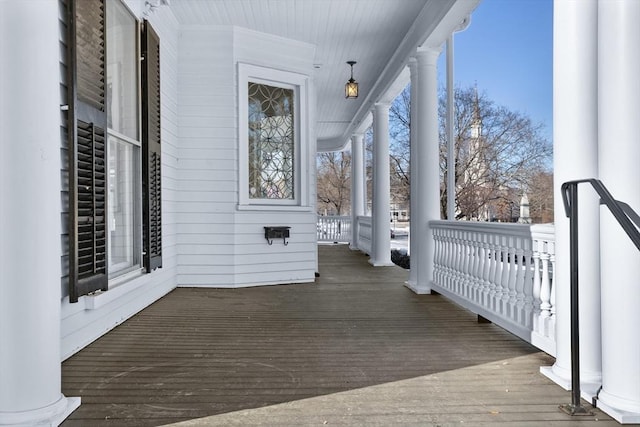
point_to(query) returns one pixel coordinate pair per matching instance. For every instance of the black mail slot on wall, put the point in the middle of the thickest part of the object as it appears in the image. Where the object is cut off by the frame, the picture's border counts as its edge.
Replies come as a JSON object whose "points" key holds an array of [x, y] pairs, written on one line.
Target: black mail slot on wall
{"points": [[276, 232]]}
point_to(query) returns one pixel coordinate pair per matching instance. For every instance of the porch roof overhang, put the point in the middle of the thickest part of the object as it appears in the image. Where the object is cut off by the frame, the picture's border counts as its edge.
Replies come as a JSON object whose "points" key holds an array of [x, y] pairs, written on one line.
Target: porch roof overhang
{"points": [[381, 35]]}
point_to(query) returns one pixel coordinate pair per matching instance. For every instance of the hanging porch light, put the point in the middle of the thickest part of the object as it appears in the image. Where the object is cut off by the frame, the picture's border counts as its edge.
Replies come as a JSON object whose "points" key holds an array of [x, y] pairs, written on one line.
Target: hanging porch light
{"points": [[351, 88]]}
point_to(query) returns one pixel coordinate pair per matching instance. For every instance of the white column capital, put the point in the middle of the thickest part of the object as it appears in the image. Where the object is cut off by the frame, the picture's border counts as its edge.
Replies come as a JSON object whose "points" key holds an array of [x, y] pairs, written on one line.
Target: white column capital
{"points": [[428, 55], [380, 106]]}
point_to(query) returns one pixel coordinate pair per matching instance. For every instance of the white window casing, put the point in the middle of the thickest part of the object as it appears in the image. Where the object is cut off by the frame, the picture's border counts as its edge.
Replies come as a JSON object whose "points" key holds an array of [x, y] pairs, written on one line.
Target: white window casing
{"points": [[299, 83]]}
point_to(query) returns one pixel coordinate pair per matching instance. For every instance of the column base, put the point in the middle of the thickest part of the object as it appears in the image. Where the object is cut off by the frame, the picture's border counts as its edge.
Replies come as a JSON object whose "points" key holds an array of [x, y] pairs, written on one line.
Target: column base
{"points": [[52, 415], [621, 410], [420, 290], [381, 263], [588, 388], [589, 384], [558, 375]]}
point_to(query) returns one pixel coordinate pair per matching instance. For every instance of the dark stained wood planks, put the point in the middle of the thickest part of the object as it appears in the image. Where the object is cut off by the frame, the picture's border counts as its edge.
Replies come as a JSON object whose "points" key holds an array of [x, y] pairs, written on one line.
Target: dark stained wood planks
{"points": [[202, 352]]}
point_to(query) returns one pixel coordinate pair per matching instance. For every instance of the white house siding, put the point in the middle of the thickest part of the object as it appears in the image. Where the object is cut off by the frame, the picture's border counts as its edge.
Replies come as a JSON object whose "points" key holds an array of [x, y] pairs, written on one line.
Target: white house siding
{"points": [[220, 245], [92, 316]]}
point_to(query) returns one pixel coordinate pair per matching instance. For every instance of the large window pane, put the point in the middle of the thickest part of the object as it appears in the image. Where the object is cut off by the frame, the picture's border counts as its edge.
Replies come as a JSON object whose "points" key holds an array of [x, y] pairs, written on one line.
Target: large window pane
{"points": [[122, 70], [271, 142], [124, 227]]}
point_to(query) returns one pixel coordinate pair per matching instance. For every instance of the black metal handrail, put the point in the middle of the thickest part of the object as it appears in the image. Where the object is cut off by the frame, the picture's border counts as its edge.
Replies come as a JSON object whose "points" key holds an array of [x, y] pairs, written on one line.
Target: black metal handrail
{"points": [[629, 221]]}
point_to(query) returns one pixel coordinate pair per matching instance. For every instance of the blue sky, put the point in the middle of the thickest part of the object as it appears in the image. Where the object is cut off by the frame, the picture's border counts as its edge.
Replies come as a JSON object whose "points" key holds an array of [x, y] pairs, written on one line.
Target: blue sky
{"points": [[507, 50]]}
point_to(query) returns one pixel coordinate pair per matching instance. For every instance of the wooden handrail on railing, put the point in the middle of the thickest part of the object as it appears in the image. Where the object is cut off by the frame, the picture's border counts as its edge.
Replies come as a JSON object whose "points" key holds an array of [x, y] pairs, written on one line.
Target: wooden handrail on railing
{"points": [[629, 221]]}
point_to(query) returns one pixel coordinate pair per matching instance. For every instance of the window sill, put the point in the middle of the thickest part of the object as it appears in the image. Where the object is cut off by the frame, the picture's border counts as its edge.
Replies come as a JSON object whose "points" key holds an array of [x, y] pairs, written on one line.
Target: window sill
{"points": [[277, 208], [117, 288]]}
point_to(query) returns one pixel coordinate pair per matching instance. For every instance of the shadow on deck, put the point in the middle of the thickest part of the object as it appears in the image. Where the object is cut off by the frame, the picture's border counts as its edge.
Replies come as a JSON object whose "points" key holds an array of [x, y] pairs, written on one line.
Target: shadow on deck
{"points": [[344, 344]]}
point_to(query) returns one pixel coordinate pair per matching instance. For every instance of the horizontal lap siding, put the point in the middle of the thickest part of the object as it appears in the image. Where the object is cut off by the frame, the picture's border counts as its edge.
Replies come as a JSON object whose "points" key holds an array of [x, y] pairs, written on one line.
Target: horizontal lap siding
{"points": [[166, 26], [219, 245], [206, 189]]}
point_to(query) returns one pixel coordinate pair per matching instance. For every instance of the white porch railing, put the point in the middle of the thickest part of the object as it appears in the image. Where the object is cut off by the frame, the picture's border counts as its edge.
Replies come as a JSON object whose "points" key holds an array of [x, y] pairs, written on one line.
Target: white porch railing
{"points": [[502, 272], [334, 228]]}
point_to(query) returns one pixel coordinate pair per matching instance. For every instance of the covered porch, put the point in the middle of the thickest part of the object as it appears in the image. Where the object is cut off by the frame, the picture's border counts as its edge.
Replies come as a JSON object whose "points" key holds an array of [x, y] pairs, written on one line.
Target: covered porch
{"points": [[349, 335], [356, 347]]}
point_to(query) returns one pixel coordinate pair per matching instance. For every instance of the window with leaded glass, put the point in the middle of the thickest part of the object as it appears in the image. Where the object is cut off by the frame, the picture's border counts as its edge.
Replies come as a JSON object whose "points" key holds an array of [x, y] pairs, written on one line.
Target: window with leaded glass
{"points": [[271, 142], [273, 154]]}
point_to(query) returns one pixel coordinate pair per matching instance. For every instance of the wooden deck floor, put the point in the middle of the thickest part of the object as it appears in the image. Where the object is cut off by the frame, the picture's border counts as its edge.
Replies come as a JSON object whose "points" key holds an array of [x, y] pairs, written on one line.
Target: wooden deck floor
{"points": [[355, 348]]}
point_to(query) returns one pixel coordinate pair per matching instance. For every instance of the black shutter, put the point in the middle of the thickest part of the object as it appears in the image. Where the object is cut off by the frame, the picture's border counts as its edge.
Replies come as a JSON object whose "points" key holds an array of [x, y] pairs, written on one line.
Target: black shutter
{"points": [[87, 121], [151, 177]]}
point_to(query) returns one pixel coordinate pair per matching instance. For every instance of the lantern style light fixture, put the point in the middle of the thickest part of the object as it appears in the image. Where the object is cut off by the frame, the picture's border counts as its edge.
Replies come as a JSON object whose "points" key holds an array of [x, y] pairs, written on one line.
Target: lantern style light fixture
{"points": [[351, 88]]}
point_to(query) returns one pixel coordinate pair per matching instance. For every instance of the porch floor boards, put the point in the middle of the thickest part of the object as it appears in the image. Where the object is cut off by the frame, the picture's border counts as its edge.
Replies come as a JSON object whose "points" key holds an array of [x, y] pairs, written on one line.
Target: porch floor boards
{"points": [[355, 348]]}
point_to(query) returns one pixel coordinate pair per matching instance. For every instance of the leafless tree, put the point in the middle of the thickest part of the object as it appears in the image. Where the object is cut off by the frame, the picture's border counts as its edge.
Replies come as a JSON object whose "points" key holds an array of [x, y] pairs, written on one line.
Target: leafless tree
{"points": [[540, 194], [499, 154], [497, 151], [334, 182], [399, 147]]}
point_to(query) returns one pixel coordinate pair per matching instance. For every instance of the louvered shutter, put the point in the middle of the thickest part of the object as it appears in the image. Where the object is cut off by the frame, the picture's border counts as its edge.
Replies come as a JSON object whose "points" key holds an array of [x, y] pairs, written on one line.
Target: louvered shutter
{"points": [[151, 177], [87, 121]]}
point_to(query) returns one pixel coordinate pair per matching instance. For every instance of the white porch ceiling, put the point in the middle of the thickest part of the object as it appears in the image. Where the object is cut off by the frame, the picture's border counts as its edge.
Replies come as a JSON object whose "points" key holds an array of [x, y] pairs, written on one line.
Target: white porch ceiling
{"points": [[378, 34]]}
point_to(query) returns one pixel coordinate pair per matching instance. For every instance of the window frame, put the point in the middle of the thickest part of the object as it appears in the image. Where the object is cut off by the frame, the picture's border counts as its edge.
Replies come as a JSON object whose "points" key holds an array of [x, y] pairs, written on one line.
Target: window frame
{"points": [[299, 83], [116, 270], [114, 273], [85, 242]]}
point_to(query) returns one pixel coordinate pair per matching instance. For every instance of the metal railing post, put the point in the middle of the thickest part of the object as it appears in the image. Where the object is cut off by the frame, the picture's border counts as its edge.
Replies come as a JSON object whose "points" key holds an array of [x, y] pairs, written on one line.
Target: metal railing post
{"points": [[570, 193], [629, 221]]}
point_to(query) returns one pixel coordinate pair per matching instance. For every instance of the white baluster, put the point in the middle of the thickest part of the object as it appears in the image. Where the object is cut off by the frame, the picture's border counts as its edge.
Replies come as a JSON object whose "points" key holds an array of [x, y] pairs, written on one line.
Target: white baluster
{"points": [[457, 262], [479, 271], [449, 257], [520, 285], [513, 270], [496, 274], [473, 265], [528, 285], [437, 273], [443, 257], [545, 287], [536, 274], [486, 274], [502, 294], [467, 261], [436, 260]]}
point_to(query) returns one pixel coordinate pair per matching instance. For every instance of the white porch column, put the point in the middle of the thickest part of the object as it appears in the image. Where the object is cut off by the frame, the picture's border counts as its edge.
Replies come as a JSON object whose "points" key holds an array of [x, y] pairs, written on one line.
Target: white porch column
{"points": [[413, 169], [380, 221], [357, 185], [427, 179], [575, 150], [30, 374], [619, 109]]}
